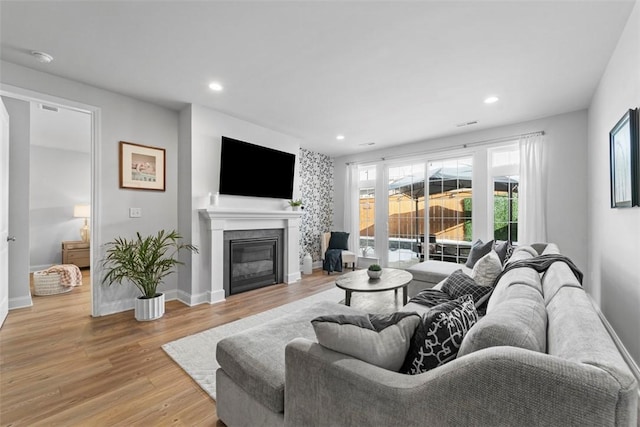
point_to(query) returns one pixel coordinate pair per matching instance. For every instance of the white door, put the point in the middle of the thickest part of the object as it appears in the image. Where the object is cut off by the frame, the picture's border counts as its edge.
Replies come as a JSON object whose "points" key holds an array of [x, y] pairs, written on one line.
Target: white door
{"points": [[4, 213]]}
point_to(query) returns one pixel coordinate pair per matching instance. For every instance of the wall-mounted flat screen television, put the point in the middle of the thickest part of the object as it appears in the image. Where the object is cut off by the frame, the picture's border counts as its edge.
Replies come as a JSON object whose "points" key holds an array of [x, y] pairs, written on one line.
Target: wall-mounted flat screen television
{"points": [[252, 170]]}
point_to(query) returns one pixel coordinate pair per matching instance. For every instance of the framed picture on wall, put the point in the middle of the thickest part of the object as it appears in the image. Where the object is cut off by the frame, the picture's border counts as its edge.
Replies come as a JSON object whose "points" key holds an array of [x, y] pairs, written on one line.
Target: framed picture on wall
{"points": [[624, 152], [142, 167]]}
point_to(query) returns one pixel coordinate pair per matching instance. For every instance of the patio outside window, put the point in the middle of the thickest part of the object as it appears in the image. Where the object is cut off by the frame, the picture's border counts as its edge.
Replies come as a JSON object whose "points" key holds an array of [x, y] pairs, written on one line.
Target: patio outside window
{"points": [[504, 169], [450, 207]]}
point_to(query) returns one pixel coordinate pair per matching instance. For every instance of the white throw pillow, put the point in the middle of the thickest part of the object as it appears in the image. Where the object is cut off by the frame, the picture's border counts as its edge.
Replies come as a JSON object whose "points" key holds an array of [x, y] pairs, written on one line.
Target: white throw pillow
{"points": [[487, 269]]}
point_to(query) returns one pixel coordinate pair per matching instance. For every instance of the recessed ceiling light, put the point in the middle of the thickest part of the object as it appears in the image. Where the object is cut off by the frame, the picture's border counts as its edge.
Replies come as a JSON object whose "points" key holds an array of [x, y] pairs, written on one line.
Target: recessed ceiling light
{"points": [[491, 100], [45, 58], [340, 137], [215, 86]]}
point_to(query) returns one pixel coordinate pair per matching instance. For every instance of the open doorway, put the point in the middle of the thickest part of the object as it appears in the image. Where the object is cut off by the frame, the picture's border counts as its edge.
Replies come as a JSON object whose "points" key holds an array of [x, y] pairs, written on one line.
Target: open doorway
{"points": [[59, 199], [62, 177]]}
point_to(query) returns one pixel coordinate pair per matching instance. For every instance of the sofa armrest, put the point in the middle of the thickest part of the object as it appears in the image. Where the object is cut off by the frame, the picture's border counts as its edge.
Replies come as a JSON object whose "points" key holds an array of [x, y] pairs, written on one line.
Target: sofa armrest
{"points": [[494, 386]]}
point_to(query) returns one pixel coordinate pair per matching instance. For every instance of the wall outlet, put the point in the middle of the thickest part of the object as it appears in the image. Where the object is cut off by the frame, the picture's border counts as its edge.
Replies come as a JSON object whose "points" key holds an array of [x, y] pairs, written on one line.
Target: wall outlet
{"points": [[135, 212]]}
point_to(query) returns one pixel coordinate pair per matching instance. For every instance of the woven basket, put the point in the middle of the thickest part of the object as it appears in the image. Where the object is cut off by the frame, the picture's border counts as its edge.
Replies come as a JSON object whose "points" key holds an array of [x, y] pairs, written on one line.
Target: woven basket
{"points": [[48, 284]]}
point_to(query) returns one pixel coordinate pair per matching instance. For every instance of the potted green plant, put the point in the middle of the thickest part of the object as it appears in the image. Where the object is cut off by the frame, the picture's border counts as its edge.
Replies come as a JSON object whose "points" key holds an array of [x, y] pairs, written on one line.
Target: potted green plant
{"points": [[374, 271], [295, 204], [144, 262]]}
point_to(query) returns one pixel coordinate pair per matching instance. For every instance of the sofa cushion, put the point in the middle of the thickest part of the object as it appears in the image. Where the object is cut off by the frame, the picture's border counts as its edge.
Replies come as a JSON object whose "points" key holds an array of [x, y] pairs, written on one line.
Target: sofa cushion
{"points": [[517, 322], [487, 269], [379, 339], [339, 240], [478, 250], [439, 335], [254, 358], [434, 271]]}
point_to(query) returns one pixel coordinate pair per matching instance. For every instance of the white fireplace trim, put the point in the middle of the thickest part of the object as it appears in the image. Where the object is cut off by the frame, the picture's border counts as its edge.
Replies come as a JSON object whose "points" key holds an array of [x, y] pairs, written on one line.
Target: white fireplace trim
{"points": [[220, 219]]}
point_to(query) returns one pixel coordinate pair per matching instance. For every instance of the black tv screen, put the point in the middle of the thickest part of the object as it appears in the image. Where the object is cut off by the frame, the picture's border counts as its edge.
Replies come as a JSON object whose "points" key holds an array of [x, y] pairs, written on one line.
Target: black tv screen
{"points": [[251, 170]]}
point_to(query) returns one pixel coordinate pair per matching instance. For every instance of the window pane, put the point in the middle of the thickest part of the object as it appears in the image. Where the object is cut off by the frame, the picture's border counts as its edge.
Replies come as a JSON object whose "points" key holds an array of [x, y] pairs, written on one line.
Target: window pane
{"points": [[505, 207], [450, 209], [367, 221], [406, 214]]}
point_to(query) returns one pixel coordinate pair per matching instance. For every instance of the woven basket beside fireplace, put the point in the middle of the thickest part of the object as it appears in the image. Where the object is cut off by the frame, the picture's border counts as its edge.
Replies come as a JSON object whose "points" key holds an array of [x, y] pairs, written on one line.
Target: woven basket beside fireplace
{"points": [[48, 284]]}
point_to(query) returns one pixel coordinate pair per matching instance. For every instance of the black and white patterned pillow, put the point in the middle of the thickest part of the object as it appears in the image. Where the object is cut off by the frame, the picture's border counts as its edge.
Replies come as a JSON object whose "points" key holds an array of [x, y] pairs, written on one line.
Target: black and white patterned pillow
{"points": [[459, 284], [438, 336], [504, 249]]}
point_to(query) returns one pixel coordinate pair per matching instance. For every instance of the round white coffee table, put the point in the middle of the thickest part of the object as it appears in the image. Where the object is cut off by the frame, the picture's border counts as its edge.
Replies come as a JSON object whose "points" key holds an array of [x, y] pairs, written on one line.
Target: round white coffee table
{"points": [[358, 281]]}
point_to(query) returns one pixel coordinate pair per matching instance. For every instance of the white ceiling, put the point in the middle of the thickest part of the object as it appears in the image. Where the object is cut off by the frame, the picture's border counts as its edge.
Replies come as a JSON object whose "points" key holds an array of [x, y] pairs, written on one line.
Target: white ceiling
{"points": [[382, 72]]}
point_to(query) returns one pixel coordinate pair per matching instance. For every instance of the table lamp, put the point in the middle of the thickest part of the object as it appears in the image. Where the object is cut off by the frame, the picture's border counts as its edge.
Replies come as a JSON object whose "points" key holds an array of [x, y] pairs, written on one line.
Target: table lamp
{"points": [[83, 211]]}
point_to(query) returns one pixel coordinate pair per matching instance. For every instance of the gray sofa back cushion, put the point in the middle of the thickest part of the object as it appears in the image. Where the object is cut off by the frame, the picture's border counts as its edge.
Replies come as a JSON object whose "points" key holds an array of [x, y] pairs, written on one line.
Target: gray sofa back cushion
{"points": [[517, 322], [518, 276]]}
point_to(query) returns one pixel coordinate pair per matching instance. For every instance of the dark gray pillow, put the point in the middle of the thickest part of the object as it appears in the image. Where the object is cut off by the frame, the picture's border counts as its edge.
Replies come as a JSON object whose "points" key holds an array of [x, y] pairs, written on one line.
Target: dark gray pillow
{"points": [[459, 284], [478, 250], [503, 248], [339, 240], [379, 339], [439, 335]]}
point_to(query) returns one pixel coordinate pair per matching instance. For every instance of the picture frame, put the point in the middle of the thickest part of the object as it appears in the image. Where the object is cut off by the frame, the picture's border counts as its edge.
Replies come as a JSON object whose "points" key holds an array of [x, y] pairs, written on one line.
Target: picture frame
{"points": [[142, 167], [624, 153]]}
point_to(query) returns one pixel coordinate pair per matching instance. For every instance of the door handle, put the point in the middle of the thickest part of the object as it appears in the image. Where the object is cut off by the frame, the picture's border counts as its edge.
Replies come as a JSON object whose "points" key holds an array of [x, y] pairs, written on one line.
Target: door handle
{"points": [[11, 238]]}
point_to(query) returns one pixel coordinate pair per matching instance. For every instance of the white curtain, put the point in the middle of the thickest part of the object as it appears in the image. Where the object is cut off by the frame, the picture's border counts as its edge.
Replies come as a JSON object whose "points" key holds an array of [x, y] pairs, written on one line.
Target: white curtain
{"points": [[532, 221], [351, 212]]}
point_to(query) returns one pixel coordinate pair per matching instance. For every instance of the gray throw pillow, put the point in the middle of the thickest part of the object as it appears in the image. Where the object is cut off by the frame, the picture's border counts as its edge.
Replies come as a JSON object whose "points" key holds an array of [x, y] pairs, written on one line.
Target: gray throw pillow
{"points": [[517, 322], [381, 340], [478, 250], [439, 335]]}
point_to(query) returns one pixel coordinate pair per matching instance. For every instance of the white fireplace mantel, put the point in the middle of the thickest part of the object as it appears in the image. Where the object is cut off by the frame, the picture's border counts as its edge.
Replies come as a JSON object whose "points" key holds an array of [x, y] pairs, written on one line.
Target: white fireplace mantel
{"points": [[219, 220]]}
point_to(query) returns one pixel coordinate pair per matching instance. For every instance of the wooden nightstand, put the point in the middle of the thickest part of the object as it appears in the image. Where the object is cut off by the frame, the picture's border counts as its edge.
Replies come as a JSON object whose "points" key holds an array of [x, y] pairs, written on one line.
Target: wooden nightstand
{"points": [[76, 252]]}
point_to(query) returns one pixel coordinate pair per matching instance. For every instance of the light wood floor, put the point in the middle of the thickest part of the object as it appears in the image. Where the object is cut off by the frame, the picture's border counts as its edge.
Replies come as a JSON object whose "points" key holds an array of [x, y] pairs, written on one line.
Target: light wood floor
{"points": [[60, 366]]}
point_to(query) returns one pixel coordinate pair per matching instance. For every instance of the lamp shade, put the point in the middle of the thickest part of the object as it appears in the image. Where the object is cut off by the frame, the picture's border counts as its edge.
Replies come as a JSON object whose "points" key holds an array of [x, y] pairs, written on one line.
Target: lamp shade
{"points": [[82, 211]]}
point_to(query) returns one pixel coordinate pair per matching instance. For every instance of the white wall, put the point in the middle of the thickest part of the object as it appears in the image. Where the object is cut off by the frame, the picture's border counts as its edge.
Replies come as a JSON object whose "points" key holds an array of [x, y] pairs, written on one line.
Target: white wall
{"points": [[60, 179], [121, 119], [207, 127], [614, 234], [565, 154]]}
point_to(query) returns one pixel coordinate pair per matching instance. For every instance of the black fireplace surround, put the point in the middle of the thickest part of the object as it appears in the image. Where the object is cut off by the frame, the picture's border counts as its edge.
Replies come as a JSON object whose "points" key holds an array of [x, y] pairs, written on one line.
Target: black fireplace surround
{"points": [[252, 259]]}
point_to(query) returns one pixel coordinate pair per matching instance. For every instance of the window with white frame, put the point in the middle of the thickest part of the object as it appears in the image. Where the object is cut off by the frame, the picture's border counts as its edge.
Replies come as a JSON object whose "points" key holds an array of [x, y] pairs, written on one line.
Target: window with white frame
{"points": [[504, 169], [449, 206], [367, 210]]}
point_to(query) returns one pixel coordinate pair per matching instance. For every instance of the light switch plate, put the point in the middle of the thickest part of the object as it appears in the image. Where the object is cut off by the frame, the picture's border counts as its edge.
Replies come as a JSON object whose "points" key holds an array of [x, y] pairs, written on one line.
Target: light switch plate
{"points": [[135, 212]]}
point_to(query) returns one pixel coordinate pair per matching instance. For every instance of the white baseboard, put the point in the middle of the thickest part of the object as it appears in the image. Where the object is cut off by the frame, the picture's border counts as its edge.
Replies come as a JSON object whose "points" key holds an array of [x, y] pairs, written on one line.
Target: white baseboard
{"points": [[129, 303], [20, 302]]}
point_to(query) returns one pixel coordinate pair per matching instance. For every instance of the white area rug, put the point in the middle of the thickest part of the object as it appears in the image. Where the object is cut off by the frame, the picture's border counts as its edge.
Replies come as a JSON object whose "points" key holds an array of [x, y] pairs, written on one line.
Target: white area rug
{"points": [[196, 354]]}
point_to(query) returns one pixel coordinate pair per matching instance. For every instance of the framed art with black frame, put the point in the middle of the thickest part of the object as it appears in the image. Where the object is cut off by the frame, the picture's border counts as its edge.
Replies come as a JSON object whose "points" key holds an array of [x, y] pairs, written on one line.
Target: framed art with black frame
{"points": [[624, 152]]}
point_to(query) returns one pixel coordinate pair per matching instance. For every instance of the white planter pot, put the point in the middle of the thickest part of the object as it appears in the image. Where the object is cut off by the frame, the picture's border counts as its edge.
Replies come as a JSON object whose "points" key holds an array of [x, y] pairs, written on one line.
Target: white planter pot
{"points": [[149, 308], [374, 274]]}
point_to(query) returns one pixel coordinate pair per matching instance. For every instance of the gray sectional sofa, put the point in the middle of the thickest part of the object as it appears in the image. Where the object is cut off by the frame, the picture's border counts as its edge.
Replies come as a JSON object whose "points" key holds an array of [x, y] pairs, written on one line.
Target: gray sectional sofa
{"points": [[540, 356]]}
